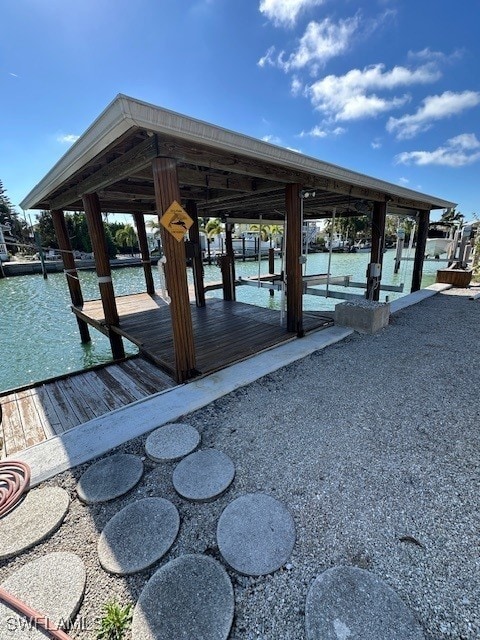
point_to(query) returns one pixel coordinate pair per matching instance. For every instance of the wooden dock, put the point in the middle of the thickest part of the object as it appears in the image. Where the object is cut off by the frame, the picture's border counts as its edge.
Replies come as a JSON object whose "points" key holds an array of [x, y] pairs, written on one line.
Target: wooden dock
{"points": [[38, 412], [224, 332]]}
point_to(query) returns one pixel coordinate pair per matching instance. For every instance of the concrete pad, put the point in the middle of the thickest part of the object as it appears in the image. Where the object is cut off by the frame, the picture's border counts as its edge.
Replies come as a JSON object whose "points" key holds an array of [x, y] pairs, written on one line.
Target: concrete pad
{"points": [[190, 597], [110, 478], [138, 535], [52, 585], [37, 517], [347, 602], [172, 442], [203, 475], [256, 534]]}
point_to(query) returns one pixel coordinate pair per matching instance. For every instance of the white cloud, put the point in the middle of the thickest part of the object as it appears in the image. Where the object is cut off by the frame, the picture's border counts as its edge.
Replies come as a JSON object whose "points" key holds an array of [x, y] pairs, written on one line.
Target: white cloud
{"points": [[316, 132], [319, 132], [376, 144], [285, 12], [268, 58], [403, 180], [434, 56], [320, 42], [355, 95], [272, 139], [69, 138], [433, 108], [457, 152], [14, 75], [296, 86]]}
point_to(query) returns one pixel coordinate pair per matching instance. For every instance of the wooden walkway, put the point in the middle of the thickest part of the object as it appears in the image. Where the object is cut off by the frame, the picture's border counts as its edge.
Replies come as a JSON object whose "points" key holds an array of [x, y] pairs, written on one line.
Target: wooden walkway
{"points": [[224, 332], [38, 412]]}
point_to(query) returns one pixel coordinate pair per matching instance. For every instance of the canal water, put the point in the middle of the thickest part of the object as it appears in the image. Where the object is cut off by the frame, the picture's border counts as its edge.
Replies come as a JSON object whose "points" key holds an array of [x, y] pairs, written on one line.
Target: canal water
{"points": [[39, 335]]}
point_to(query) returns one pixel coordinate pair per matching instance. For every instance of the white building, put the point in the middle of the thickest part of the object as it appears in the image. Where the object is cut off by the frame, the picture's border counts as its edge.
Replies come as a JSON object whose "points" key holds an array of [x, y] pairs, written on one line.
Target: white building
{"points": [[4, 228]]}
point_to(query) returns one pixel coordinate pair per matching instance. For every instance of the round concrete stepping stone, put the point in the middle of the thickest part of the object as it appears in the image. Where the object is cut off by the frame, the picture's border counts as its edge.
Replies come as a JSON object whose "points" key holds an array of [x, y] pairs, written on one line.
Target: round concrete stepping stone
{"points": [[203, 475], [40, 514], [189, 597], [110, 478], [172, 442], [52, 585], [347, 602], [138, 535], [256, 534]]}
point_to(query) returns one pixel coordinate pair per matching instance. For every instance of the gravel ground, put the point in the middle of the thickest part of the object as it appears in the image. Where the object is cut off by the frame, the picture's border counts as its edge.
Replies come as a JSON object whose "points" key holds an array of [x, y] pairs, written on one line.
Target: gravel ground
{"points": [[373, 445]]}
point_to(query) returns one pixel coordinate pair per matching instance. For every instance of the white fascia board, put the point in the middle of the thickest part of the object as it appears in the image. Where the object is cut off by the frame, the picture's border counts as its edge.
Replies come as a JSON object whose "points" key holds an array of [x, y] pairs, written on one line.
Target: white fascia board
{"points": [[125, 112]]}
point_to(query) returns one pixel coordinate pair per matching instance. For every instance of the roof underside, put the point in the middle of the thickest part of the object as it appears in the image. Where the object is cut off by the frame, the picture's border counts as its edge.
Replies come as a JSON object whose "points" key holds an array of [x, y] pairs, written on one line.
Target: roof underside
{"points": [[225, 173]]}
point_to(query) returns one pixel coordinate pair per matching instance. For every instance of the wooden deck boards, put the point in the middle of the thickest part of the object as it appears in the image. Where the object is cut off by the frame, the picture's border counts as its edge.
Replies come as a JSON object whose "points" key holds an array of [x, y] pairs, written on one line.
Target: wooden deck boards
{"points": [[40, 412], [224, 332]]}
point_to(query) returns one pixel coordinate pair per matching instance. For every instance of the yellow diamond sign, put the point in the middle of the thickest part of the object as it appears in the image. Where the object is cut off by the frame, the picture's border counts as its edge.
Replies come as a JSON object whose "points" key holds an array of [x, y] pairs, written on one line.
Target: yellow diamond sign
{"points": [[176, 221]]}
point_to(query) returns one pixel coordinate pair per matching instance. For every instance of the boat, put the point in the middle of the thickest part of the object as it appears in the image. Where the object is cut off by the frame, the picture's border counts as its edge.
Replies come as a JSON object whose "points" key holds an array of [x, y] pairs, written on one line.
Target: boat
{"points": [[437, 246], [337, 243], [362, 246], [439, 239]]}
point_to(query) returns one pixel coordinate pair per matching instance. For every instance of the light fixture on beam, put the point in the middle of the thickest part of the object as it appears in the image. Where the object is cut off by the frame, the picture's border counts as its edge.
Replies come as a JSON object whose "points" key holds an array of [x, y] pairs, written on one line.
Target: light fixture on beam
{"points": [[307, 193]]}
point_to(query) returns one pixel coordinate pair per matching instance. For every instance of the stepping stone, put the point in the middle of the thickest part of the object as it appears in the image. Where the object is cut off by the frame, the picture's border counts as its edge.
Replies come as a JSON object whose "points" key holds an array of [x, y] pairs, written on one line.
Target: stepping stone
{"points": [[110, 478], [138, 535], [172, 442], [53, 586], [189, 597], [256, 534], [40, 514], [347, 602], [203, 475]]}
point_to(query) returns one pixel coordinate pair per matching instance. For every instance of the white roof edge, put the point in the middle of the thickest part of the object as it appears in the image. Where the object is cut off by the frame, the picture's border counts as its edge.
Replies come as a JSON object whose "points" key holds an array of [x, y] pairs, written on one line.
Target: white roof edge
{"points": [[125, 112]]}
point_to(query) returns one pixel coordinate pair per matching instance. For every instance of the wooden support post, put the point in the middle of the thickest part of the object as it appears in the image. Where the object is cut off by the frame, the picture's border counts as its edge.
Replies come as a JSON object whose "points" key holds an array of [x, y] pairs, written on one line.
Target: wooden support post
{"points": [[231, 259], [41, 254], [293, 264], [422, 233], [376, 255], [197, 262], [167, 190], [93, 213], [399, 249], [70, 269], [143, 242], [225, 265], [271, 260]]}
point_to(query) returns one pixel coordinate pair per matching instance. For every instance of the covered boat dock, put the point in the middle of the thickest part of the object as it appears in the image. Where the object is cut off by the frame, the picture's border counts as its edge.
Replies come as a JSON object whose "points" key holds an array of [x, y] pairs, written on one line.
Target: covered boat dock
{"points": [[141, 159]]}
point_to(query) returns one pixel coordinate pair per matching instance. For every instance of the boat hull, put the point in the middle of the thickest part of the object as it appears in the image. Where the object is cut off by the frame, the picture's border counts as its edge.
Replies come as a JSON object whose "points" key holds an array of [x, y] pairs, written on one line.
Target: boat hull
{"points": [[437, 246]]}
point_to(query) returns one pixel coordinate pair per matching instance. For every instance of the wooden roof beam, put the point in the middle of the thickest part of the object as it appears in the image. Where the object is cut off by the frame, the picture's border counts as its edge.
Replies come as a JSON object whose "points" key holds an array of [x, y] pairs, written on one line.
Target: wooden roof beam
{"points": [[116, 170]]}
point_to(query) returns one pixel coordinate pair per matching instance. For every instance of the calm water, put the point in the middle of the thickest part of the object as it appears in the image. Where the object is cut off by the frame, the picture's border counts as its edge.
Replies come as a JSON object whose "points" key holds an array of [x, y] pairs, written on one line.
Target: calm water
{"points": [[39, 335]]}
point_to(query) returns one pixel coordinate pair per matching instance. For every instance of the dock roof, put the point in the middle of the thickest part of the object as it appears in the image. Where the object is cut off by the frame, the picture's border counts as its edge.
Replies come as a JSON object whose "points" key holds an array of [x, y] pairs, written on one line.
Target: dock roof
{"points": [[225, 173]]}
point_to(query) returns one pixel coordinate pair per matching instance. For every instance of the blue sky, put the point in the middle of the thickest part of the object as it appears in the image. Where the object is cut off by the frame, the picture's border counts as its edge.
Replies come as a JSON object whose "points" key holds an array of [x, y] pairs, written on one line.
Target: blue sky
{"points": [[390, 88]]}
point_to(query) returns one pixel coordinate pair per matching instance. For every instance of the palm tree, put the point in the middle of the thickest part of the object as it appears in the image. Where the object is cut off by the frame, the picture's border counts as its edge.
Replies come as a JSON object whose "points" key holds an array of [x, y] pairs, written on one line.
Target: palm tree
{"points": [[213, 227], [126, 237], [452, 216]]}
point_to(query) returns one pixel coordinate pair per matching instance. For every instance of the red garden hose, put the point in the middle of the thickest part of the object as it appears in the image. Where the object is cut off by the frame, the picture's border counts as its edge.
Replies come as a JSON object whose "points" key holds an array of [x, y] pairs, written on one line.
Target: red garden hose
{"points": [[14, 482], [37, 620]]}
